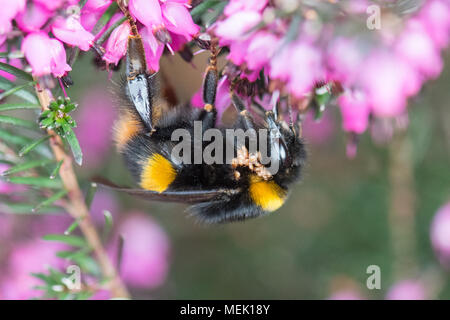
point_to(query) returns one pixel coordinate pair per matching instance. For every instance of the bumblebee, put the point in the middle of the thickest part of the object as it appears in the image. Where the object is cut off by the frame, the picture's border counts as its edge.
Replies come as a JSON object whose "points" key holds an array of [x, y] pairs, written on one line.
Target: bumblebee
{"points": [[216, 192]]}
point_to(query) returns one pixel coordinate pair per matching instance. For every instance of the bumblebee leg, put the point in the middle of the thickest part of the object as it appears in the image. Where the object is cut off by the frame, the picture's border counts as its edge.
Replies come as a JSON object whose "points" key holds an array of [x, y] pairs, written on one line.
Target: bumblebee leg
{"points": [[208, 116], [244, 116], [140, 83]]}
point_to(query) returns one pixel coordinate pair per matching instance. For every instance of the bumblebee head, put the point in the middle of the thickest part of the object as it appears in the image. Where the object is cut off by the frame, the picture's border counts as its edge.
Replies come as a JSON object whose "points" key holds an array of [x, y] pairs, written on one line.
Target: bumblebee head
{"points": [[286, 149]]}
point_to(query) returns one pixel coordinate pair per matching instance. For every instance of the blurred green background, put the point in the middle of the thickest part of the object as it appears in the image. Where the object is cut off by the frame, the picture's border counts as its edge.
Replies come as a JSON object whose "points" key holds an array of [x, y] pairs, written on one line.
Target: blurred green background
{"points": [[345, 215]]}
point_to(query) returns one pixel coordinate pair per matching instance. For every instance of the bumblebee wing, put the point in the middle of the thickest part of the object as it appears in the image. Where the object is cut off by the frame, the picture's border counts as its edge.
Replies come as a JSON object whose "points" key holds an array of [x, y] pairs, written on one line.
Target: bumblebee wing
{"points": [[188, 196]]}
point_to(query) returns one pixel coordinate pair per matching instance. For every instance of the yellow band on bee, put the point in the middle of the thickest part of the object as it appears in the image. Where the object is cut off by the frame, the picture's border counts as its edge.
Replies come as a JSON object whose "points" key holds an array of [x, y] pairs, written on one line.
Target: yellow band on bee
{"points": [[125, 128], [157, 174], [266, 194]]}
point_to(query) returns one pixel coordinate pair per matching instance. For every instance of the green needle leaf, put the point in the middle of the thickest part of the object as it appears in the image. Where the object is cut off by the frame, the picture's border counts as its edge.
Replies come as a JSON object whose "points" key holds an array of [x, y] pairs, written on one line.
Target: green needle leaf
{"points": [[13, 138], [90, 194], [15, 71], [50, 200], [32, 145], [16, 89], [200, 9], [18, 122], [72, 227], [24, 208], [104, 19], [37, 182], [74, 241], [73, 142], [15, 106], [108, 225], [73, 254], [26, 166], [5, 85], [55, 171]]}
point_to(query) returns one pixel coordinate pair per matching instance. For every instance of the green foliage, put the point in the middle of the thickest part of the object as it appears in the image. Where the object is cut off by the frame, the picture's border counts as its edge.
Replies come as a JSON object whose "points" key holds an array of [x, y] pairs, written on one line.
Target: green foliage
{"points": [[322, 97], [33, 165], [57, 118]]}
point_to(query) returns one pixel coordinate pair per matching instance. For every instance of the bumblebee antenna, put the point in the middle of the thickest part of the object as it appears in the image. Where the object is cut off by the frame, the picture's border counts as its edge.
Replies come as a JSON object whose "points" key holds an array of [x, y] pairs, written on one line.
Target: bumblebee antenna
{"points": [[291, 118]]}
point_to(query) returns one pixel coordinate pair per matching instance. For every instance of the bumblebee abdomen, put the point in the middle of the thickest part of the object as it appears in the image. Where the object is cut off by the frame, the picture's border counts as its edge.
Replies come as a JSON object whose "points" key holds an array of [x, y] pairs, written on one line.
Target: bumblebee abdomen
{"points": [[268, 195], [157, 173]]}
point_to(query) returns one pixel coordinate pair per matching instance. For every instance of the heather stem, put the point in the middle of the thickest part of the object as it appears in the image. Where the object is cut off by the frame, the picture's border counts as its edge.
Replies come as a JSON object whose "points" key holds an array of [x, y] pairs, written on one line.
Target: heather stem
{"points": [[77, 208], [402, 206]]}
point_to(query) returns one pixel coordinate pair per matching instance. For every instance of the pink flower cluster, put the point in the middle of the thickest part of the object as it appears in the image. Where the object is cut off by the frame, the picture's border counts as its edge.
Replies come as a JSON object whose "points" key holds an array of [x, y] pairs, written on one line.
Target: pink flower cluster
{"points": [[378, 69], [48, 26], [144, 264], [35, 19], [162, 23]]}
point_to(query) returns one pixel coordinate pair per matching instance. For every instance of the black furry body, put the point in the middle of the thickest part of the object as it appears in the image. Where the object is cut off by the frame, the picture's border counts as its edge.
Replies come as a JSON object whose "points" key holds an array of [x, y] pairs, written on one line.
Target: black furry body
{"points": [[232, 201]]}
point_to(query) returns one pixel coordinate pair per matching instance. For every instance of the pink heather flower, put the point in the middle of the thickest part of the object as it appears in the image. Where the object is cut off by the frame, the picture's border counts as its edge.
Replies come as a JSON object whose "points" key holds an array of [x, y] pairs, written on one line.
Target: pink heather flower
{"points": [[35, 47], [234, 27], [440, 234], [283, 67], [58, 62], [31, 257], [88, 19], [33, 17], [238, 51], [388, 82], [178, 41], [280, 67], [45, 55], [355, 111], [343, 59], [435, 16], [52, 5], [94, 135], [71, 31], [97, 5], [416, 48], [235, 6], [177, 19], [407, 290], [310, 60], [148, 12], [145, 253], [260, 49], [116, 46], [9, 9], [92, 11], [153, 49]]}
